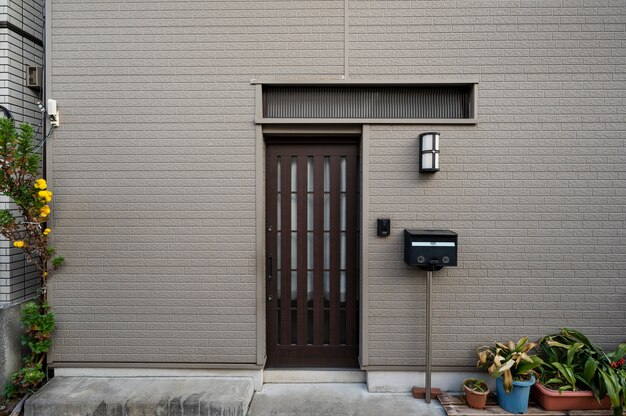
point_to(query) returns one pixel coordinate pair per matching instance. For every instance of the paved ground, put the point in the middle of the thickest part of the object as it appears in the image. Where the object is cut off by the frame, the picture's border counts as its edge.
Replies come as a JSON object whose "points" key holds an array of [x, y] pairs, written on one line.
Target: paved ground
{"points": [[336, 400], [223, 396], [124, 396]]}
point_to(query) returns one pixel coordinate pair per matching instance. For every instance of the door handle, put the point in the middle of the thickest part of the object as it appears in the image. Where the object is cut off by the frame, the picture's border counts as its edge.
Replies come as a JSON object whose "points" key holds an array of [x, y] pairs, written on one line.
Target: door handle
{"points": [[268, 265]]}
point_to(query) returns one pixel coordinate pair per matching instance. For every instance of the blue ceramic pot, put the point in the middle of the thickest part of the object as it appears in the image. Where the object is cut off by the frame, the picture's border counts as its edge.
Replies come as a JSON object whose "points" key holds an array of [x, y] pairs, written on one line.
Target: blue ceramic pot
{"points": [[517, 400]]}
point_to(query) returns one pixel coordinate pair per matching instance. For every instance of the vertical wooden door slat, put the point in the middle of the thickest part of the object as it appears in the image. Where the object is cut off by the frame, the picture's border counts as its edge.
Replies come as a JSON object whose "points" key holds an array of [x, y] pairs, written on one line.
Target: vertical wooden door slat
{"points": [[318, 250], [335, 247], [285, 283], [302, 308], [351, 266]]}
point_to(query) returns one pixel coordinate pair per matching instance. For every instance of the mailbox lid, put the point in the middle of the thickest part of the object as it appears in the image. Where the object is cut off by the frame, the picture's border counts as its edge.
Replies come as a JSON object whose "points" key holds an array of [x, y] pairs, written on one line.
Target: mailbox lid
{"points": [[431, 235]]}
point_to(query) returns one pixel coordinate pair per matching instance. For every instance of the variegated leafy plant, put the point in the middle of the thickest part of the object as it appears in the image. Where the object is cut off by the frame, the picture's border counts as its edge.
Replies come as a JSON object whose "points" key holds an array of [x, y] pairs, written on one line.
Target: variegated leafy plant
{"points": [[511, 361]]}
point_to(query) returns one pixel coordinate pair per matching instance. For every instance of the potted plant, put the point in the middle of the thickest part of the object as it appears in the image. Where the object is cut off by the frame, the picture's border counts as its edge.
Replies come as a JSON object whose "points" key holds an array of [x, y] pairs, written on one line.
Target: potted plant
{"points": [[579, 375], [474, 393], [613, 374], [512, 366]]}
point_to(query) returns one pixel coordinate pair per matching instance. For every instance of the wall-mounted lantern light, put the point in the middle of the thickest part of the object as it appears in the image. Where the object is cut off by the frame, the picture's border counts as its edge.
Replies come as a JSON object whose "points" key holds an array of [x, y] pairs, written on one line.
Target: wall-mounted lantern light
{"points": [[429, 152]]}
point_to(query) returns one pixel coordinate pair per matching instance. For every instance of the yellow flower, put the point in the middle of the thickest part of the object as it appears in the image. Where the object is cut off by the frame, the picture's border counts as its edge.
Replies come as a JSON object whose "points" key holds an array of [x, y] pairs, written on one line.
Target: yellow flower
{"points": [[47, 195], [44, 211], [46, 231], [45, 274], [41, 184], [18, 244]]}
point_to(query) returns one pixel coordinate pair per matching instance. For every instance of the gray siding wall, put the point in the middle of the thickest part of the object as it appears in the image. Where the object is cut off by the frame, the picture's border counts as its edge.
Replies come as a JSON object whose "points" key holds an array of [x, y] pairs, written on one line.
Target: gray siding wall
{"points": [[18, 278], [154, 172], [25, 14], [154, 176], [536, 190]]}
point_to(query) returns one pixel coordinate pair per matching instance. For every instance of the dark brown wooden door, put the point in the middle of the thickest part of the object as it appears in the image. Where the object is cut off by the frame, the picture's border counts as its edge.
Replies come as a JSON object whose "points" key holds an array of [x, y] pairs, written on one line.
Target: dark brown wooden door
{"points": [[312, 249]]}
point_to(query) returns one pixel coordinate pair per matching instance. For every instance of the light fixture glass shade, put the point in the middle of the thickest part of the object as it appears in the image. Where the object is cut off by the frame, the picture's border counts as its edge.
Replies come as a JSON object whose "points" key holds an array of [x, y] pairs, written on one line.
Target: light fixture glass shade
{"points": [[427, 162], [429, 152]]}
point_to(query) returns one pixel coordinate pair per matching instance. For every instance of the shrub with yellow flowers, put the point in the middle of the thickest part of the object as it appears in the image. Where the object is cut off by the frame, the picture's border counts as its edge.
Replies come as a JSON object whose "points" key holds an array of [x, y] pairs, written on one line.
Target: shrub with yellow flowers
{"points": [[27, 230]]}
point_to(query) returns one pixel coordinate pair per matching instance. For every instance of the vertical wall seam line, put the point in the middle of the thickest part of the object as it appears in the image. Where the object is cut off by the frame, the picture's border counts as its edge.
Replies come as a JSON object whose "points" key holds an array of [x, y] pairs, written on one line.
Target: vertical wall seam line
{"points": [[345, 39]]}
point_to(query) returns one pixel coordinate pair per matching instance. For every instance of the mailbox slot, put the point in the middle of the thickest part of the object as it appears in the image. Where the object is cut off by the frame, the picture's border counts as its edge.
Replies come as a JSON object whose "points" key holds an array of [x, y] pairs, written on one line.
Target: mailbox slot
{"points": [[430, 249]]}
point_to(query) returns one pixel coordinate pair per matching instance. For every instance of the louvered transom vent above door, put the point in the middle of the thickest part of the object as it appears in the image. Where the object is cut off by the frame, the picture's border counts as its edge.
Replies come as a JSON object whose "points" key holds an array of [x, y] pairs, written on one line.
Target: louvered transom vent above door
{"points": [[431, 103]]}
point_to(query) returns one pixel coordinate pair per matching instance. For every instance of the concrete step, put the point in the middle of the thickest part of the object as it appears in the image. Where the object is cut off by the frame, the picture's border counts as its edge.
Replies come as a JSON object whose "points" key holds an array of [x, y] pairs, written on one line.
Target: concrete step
{"points": [[328, 375], [337, 399], [159, 396]]}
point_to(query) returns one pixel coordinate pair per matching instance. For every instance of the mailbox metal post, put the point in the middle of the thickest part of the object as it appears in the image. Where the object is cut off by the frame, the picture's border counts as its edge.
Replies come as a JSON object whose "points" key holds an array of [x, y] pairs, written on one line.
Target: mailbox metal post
{"points": [[430, 250], [429, 281]]}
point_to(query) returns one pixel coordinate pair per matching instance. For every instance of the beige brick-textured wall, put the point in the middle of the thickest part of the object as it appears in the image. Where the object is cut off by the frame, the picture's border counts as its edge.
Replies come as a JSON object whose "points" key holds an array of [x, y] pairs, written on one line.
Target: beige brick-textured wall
{"points": [[154, 176], [536, 190], [153, 169]]}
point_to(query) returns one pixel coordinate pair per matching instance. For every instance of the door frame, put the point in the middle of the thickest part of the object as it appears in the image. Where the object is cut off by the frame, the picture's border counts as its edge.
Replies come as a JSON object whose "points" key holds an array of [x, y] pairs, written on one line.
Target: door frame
{"points": [[313, 130]]}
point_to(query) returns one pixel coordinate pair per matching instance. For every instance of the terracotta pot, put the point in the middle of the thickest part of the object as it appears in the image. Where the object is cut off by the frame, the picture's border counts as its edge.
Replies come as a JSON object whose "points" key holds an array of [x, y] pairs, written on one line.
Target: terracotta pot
{"points": [[568, 400], [475, 399]]}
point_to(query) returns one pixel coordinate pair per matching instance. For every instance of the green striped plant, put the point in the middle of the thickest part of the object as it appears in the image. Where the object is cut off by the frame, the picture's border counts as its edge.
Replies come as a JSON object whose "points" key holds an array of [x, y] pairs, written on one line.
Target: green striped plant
{"points": [[573, 362]]}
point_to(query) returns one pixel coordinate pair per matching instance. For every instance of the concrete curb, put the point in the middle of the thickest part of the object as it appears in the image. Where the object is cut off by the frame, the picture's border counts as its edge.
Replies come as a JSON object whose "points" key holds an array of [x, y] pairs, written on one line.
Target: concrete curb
{"points": [[159, 396]]}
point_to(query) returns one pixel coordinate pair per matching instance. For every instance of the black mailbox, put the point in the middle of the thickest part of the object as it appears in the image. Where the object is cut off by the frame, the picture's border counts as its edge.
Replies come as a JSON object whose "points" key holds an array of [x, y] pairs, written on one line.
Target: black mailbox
{"points": [[430, 249]]}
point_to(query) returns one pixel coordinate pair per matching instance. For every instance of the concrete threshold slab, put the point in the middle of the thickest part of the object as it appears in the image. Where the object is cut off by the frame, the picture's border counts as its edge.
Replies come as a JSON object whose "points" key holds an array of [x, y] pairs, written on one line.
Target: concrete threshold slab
{"points": [[158, 396], [327, 375], [337, 399]]}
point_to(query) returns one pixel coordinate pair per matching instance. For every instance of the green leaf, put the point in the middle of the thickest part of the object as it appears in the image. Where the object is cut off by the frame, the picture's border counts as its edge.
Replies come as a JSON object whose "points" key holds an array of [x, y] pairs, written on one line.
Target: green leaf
{"points": [[623, 387], [576, 336], [620, 352], [10, 390], [521, 343], [566, 387], [6, 218], [572, 351], [30, 314], [526, 366], [589, 371], [558, 344], [40, 347], [583, 385], [58, 261], [554, 381], [566, 371], [612, 389]]}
